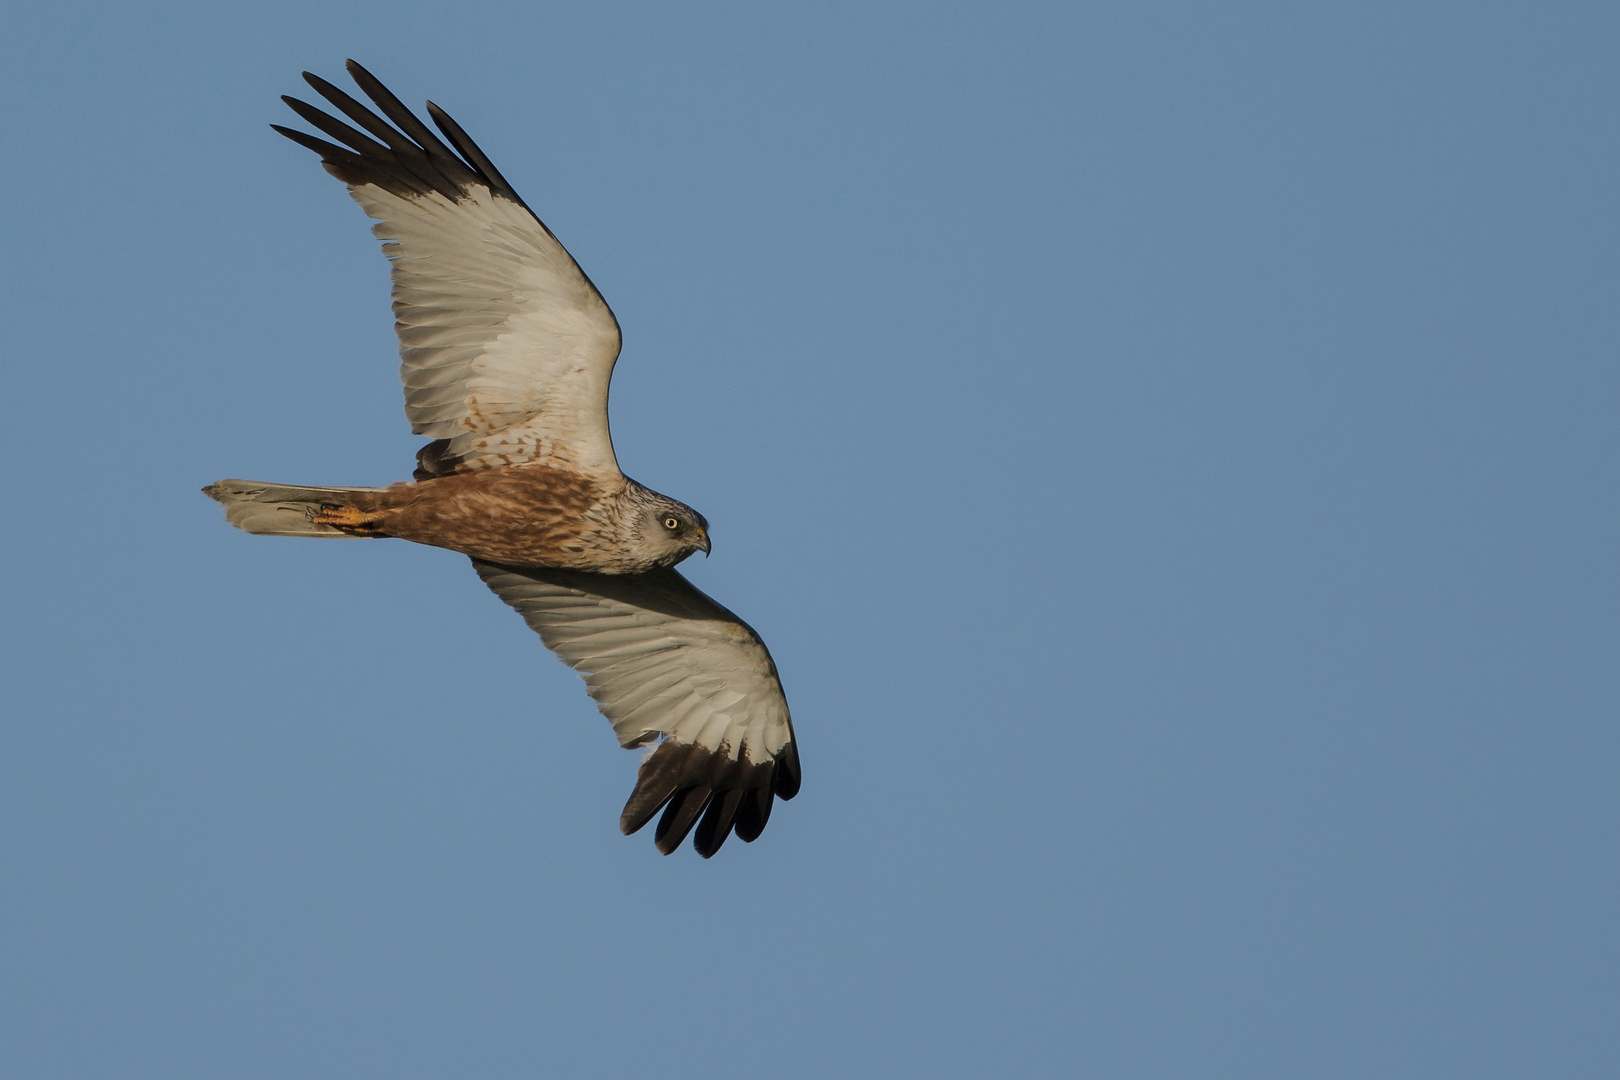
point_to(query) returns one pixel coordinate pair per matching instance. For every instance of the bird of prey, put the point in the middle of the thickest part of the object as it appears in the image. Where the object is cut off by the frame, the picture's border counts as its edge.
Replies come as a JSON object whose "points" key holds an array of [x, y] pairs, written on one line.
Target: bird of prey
{"points": [[507, 350]]}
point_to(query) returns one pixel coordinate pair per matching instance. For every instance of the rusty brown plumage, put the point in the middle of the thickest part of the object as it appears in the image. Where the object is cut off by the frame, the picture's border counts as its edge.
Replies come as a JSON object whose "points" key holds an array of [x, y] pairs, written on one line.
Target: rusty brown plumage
{"points": [[519, 515]]}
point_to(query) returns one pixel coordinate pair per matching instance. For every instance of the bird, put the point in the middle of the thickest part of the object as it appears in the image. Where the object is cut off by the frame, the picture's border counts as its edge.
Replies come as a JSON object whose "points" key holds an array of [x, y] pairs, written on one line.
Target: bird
{"points": [[506, 351]]}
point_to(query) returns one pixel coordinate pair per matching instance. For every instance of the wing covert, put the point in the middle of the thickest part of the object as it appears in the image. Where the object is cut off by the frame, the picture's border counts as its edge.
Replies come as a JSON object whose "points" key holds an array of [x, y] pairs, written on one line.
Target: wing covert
{"points": [[506, 346], [667, 664]]}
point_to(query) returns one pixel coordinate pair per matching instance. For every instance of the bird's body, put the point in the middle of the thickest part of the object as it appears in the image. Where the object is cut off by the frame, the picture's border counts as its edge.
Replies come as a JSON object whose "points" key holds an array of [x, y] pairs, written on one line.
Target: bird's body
{"points": [[507, 349], [529, 515]]}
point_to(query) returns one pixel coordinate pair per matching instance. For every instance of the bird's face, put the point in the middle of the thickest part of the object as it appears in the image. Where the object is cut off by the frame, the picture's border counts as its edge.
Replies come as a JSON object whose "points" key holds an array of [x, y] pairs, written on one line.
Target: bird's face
{"points": [[677, 528]]}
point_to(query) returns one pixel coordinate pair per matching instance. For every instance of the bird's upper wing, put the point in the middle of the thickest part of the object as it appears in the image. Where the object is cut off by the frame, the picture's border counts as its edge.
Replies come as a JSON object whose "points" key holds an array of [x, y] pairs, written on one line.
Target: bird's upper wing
{"points": [[665, 662], [507, 346]]}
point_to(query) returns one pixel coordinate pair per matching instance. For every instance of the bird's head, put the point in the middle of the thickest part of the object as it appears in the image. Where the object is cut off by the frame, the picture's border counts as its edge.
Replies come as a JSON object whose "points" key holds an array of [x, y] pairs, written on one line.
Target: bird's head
{"points": [[674, 528]]}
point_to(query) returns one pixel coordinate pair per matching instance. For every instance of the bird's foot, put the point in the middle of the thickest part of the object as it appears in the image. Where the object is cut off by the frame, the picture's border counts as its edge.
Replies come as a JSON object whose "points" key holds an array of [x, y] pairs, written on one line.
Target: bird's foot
{"points": [[347, 519]]}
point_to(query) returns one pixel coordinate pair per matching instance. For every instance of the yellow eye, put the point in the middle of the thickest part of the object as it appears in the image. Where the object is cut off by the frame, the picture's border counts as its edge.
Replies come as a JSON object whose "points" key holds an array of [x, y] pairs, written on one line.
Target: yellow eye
{"points": [[672, 523]]}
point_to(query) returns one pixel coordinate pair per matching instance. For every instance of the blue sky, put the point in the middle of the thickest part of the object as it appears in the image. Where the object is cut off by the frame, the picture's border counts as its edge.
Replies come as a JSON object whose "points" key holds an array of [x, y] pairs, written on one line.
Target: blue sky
{"points": [[1170, 450]]}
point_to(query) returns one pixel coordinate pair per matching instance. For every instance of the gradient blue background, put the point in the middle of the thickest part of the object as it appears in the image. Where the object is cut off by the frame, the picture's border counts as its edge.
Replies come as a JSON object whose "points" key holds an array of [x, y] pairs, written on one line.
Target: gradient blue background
{"points": [[1170, 449]]}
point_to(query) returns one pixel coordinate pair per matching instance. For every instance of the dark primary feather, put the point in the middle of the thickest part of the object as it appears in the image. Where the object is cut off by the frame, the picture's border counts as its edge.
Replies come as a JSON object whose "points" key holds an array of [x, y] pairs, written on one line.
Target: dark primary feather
{"points": [[753, 814], [685, 781], [407, 159], [406, 120], [469, 150], [656, 781], [337, 129]]}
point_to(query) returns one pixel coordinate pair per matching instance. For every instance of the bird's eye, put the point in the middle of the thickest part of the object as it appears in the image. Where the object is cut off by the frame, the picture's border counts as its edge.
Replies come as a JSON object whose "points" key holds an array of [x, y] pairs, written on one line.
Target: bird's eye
{"points": [[672, 523]]}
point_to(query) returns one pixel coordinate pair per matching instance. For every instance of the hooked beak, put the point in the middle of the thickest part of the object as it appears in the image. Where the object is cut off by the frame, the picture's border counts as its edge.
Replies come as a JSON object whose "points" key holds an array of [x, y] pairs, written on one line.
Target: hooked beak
{"points": [[703, 541]]}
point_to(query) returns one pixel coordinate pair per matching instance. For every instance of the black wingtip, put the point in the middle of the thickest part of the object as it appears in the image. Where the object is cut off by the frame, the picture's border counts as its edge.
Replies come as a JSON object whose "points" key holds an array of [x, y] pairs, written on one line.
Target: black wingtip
{"points": [[319, 85], [787, 773], [709, 791], [407, 160], [656, 781], [679, 817], [475, 156], [328, 151], [754, 813], [717, 821]]}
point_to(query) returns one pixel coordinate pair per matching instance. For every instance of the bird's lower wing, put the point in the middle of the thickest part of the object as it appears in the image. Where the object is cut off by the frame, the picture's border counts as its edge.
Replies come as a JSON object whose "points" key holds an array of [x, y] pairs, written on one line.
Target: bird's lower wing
{"points": [[667, 665]]}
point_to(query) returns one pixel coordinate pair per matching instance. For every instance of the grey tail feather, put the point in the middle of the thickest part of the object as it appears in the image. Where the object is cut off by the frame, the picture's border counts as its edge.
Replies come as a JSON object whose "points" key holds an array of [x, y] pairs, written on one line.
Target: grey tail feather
{"points": [[279, 509]]}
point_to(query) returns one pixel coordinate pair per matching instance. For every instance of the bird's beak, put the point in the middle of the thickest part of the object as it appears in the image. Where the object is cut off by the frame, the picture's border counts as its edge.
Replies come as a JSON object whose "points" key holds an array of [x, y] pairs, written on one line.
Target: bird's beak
{"points": [[703, 541]]}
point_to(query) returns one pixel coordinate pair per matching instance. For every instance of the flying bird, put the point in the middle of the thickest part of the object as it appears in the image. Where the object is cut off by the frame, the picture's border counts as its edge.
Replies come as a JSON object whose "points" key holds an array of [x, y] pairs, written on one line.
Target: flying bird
{"points": [[506, 350]]}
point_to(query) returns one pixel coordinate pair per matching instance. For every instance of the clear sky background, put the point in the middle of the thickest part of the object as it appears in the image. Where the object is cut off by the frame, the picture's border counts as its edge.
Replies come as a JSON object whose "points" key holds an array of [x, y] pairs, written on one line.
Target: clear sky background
{"points": [[1169, 448]]}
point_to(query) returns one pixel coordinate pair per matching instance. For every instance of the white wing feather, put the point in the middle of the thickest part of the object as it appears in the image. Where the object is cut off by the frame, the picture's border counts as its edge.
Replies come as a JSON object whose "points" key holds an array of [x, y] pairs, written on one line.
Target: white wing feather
{"points": [[506, 347], [660, 658]]}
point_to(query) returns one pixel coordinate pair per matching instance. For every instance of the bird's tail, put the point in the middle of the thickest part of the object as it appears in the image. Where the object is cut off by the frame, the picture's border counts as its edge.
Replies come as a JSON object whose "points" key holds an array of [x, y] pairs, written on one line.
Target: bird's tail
{"points": [[285, 510]]}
